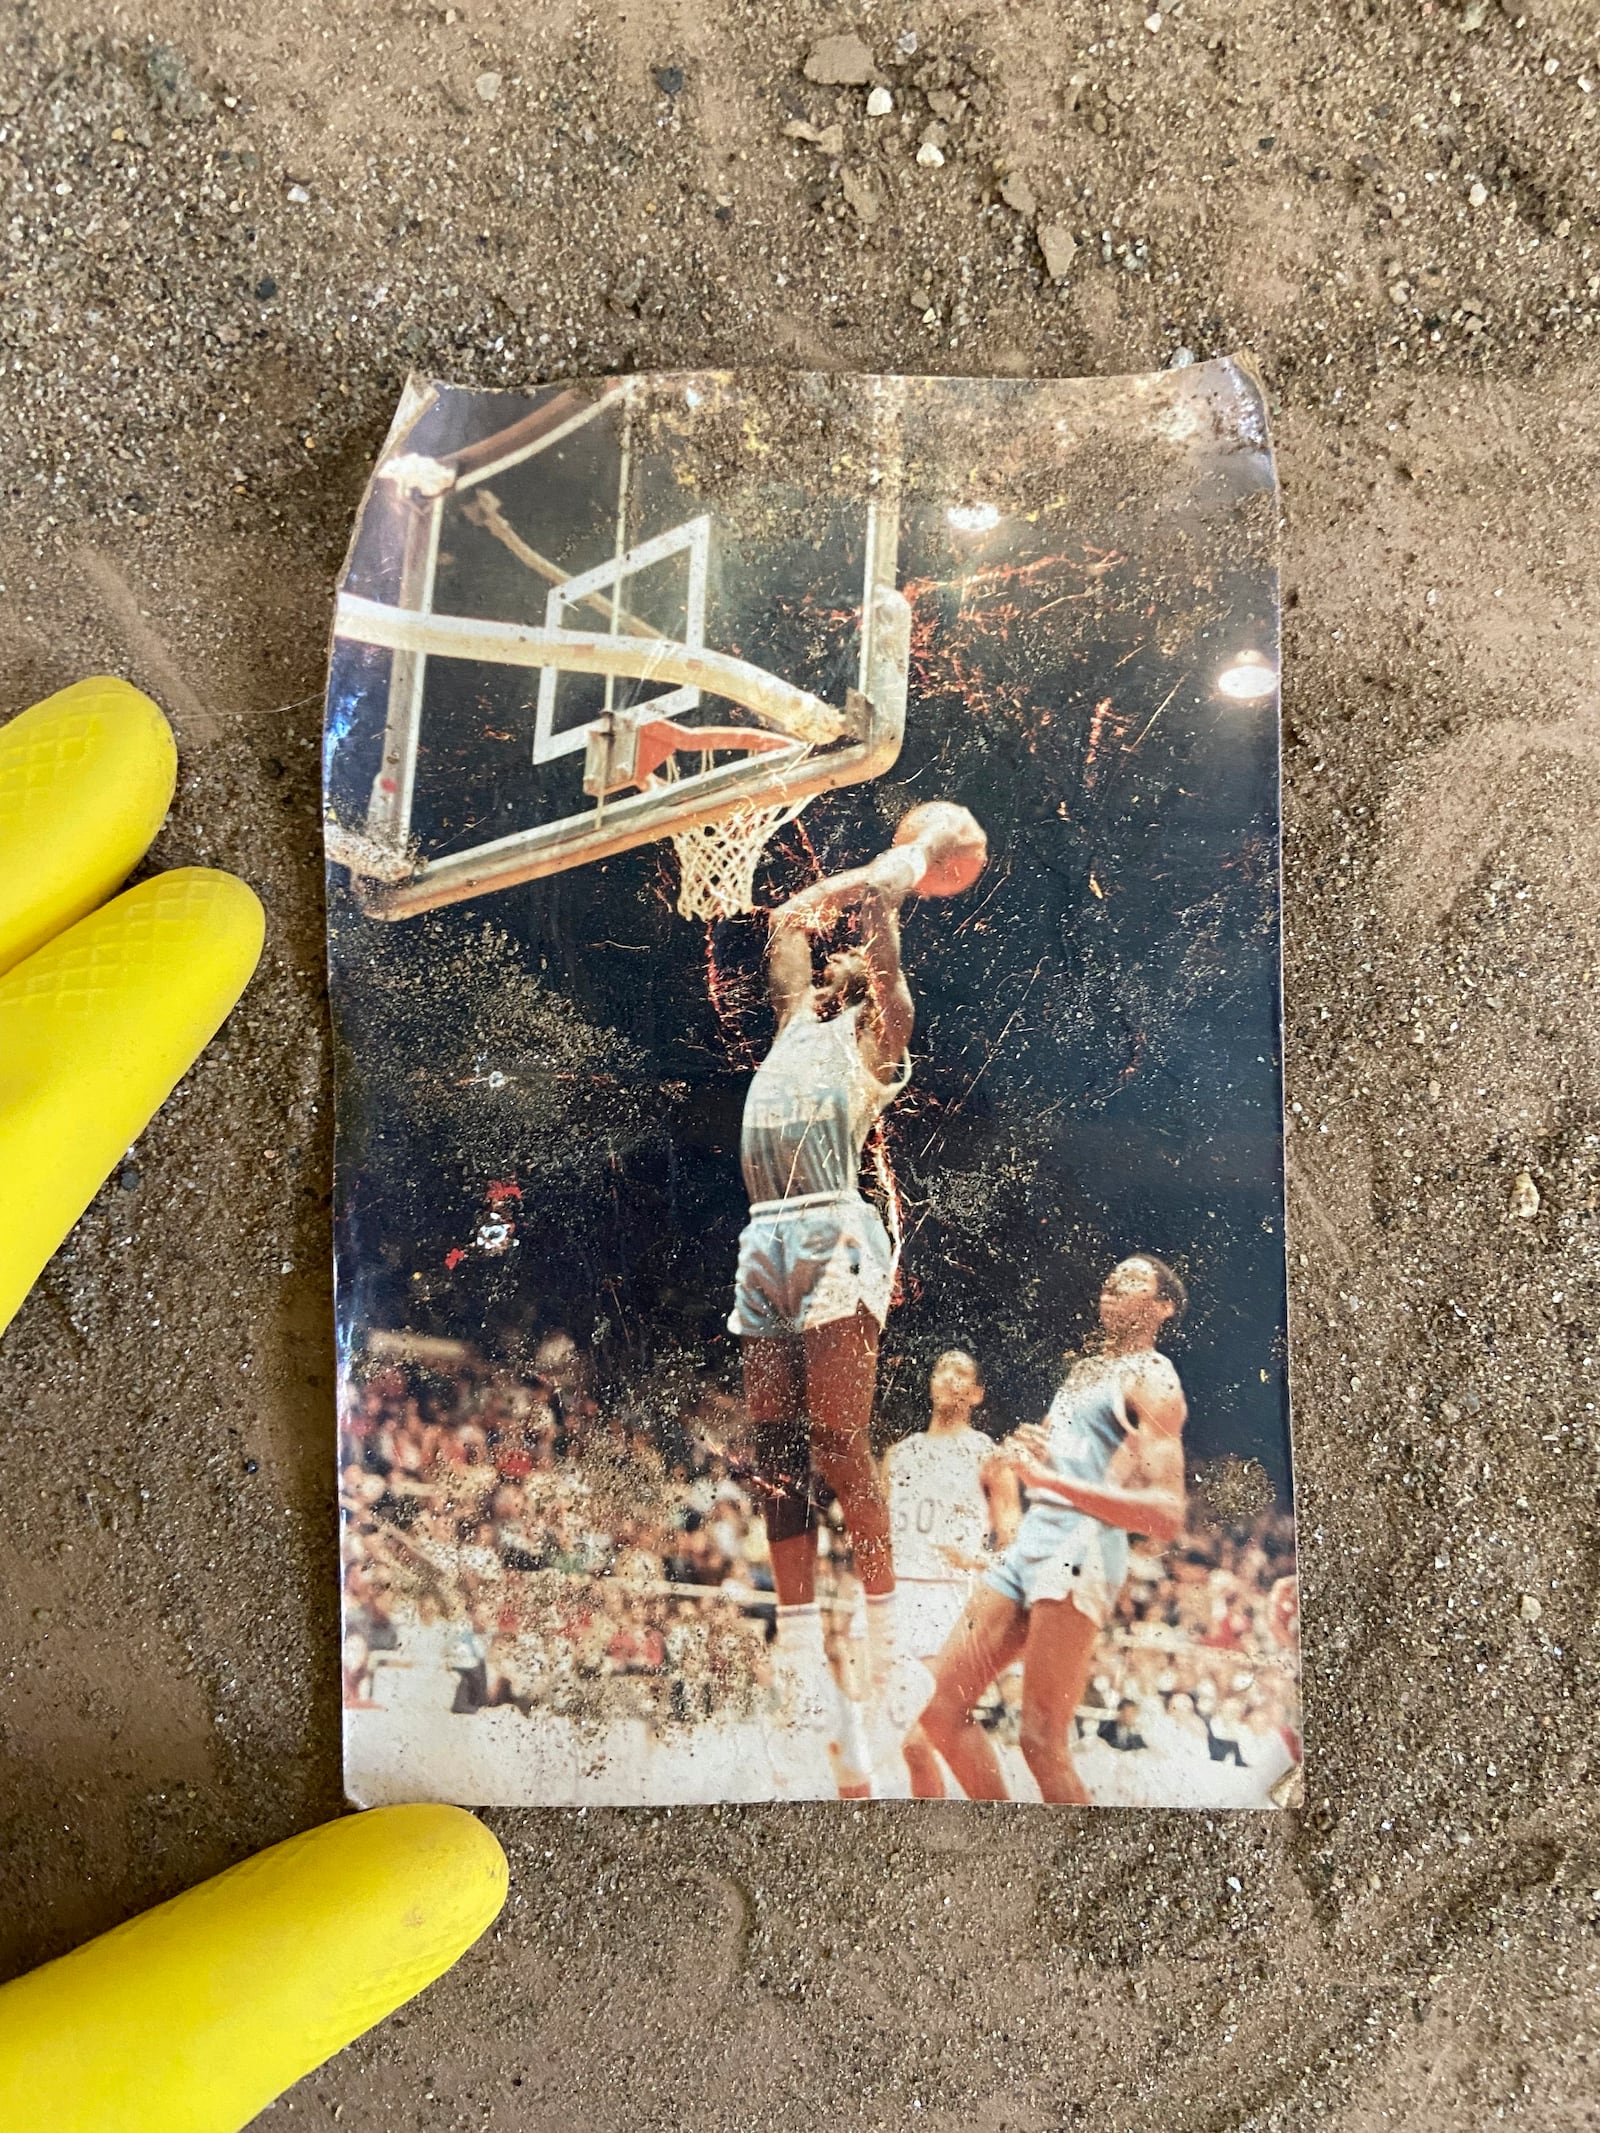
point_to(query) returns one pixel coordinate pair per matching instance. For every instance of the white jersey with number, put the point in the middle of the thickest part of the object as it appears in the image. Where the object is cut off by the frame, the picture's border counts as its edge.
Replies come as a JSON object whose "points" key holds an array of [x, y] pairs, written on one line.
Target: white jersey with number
{"points": [[936, 1501]]}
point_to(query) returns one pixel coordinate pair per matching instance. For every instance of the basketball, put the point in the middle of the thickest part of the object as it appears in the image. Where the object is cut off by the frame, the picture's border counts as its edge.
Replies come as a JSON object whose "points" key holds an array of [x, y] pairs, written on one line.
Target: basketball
{"points": [[956, 848]]}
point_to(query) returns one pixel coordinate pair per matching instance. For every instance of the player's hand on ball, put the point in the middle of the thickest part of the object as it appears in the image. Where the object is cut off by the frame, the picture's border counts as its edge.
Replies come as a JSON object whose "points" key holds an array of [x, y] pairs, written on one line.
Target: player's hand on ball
{"points": [[949, 841], [193, 2017], [939, 849]]}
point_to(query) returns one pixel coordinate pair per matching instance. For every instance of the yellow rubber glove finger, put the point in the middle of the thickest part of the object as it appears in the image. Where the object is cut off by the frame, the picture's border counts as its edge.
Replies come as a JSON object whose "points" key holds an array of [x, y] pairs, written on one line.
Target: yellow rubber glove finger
{"points": [[191, 2018], [95, 1031], [86, 779]]}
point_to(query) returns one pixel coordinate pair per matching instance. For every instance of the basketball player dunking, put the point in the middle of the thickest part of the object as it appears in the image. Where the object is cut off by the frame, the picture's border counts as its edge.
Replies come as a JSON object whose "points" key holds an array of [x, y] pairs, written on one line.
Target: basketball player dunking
{"points": [[1107, 1462], [816, 1269], [951, 1491]]}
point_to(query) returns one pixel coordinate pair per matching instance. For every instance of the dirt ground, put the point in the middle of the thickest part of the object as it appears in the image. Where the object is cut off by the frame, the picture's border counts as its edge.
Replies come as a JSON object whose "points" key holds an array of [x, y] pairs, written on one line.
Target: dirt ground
{"points": [[230, 233]]}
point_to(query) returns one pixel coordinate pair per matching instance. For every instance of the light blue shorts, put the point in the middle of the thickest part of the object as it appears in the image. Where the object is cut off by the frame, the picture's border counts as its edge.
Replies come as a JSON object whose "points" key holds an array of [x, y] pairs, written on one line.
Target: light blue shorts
{"points": [[808, 1262], [1059, 1554]]}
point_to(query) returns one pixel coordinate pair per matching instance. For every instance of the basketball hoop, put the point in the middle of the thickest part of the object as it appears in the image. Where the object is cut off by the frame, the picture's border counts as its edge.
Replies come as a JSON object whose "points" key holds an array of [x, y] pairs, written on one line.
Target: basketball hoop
{"points": [[717, 861], [637, 622]]}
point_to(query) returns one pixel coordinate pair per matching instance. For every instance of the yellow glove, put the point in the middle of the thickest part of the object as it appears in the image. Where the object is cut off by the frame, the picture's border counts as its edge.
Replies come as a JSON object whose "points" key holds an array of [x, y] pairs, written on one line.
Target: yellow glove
{"points": [[101, 1011], [193, 2017]]}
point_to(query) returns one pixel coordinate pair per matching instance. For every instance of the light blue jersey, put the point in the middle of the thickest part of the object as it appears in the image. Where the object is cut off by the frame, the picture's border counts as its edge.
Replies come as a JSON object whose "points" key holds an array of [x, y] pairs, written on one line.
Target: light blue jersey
{"points": [[1060, 1552], [813, 1250], [810, 1107]]}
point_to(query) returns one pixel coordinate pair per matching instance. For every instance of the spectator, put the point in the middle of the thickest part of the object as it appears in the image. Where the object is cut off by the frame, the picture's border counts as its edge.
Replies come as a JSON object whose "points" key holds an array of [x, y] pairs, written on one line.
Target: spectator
{"points": [[1123, 1730], [357, 1671], [1222, 1735]]}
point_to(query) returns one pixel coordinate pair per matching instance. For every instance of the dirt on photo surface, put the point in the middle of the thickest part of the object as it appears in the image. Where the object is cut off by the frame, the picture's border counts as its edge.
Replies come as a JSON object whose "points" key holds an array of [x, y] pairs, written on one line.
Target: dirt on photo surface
{"points": [[228, 236]]}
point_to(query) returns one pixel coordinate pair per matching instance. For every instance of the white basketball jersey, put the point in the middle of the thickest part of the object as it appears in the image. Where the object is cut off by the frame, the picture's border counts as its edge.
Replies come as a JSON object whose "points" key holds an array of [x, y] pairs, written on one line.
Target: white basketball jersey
{"points": [[936, 1501]]}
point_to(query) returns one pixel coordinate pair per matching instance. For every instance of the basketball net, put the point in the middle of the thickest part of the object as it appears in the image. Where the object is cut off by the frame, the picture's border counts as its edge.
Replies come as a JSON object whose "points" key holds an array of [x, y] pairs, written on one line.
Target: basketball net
{"points": [[717, 861]]}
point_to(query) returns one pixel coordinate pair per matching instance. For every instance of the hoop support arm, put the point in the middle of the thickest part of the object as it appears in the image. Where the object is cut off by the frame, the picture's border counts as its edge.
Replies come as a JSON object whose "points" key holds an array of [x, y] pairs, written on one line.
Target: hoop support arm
{"points": [[793, 711], [640, 818]]}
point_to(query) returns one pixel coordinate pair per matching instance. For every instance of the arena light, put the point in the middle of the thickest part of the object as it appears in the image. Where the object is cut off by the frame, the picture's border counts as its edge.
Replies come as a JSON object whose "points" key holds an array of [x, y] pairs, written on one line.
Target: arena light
{"points": [[1248, 678], [974, 518]]}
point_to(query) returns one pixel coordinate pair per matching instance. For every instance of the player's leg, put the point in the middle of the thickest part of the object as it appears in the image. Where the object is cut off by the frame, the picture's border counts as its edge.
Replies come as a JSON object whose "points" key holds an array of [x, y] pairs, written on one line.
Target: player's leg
{"points": [[928, 1613], [922, 1760], [841, 1379], [1055, 1673], [841, 1382], [774, 1394], [813, 1706], [991, 1632]]}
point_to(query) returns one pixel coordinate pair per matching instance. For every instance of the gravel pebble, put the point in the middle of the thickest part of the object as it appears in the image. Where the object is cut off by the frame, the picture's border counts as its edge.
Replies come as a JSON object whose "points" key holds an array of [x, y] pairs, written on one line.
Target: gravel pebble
{"points": [[842, 61]]}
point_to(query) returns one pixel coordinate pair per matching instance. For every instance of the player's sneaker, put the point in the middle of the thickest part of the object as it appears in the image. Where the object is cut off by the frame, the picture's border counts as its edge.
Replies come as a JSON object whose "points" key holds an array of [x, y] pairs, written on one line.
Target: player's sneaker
{"points": [[849, 1751], [815, 1749], [891, 1780]]}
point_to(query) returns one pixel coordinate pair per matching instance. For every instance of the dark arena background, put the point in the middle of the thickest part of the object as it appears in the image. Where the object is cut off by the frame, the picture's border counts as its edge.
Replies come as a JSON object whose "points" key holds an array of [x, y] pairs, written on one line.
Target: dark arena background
{"points": [[540, 1090]]}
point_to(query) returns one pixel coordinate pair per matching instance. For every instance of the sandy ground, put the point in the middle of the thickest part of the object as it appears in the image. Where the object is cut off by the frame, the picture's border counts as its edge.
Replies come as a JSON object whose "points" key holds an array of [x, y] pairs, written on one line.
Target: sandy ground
{"points": [[230, 232]]}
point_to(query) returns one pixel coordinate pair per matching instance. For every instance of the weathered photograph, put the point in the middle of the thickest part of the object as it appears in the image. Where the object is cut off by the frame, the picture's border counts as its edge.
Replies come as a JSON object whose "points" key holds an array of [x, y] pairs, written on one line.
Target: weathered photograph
{"points": [[804, 927]]}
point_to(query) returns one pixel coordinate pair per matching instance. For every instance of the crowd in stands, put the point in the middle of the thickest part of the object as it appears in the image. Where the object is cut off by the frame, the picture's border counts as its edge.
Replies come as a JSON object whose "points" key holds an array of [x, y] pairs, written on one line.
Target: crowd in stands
{"points": [[1203, 1647], [512, 1539], [506, 1539]]}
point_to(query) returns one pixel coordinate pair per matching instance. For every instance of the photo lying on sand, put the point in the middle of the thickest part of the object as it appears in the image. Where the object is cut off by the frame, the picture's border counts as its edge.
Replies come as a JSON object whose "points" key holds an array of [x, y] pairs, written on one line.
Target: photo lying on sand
{"points": [[803, 907]]}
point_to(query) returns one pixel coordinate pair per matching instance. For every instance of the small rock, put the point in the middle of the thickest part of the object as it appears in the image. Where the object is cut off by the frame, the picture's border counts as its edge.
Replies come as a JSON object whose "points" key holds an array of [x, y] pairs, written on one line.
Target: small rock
{"points": [[1016, 192], [930, 155], [1474, 14], [1181, 358], [1529, 1608], [1152, 21], [1399, 292], [880, 103], [488, 86], [1059, 247], [669, 80], [861, 194], [1477, 193], [906, 43], [128, 1177], [840, 62], [1525, 1199], [830, 139], [298, 196]]}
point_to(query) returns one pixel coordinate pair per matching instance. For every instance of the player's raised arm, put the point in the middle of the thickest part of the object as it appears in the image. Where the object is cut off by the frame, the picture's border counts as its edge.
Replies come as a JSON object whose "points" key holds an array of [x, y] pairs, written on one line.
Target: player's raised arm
{"points": [[939, 849], [891, 995], [788, 961]]}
